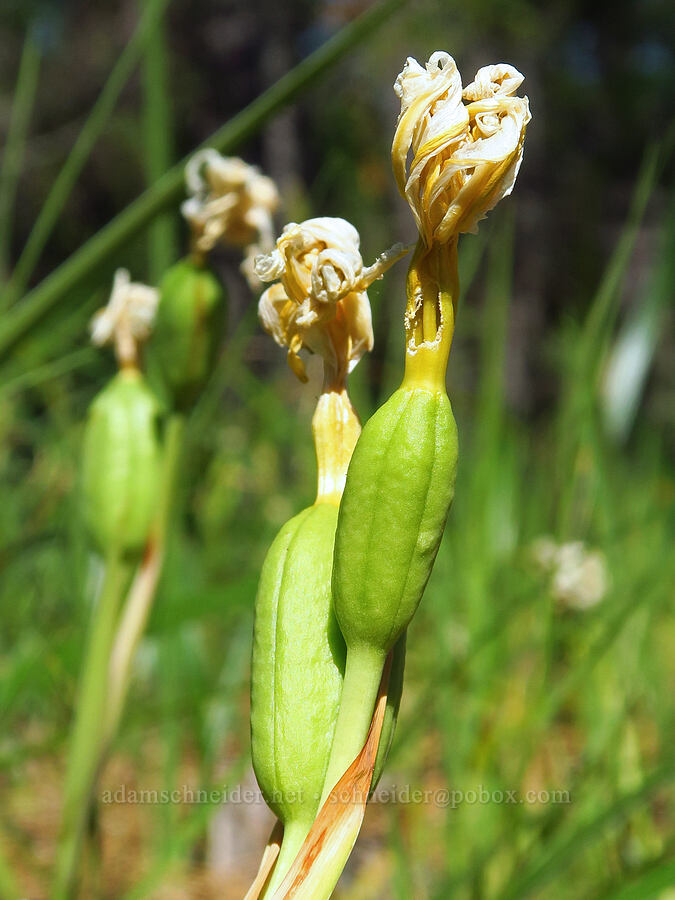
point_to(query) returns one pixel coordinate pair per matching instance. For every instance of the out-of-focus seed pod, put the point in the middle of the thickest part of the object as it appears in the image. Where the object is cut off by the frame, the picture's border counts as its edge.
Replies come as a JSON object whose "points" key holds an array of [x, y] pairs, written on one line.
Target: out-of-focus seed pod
{"points": [[121, 464], [296, 677], [181, 353]]}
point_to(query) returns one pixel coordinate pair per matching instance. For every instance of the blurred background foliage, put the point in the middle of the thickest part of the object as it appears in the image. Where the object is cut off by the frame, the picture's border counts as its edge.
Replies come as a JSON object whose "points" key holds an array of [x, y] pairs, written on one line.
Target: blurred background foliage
{"points": [[562, 381]]}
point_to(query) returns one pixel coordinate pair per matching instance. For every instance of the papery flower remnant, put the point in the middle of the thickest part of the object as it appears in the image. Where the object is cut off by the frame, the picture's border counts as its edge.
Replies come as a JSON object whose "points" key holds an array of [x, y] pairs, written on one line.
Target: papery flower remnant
{"points": [[127, 318], [230, 202], [320, 300], [466, 146], [579, 576]]}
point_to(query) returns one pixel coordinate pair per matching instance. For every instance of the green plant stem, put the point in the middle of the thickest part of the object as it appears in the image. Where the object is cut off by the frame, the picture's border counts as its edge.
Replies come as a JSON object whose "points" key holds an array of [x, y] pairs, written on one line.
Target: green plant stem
{"points": [[363, 673], [22, 107], [78, 156], [157, 143], [99, 249], [89, 724], [293, 839]]}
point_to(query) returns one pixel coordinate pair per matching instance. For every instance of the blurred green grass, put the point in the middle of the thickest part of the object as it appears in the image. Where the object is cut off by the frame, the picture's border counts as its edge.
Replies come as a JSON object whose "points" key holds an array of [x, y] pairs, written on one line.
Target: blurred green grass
{"points": [[507, 688]]}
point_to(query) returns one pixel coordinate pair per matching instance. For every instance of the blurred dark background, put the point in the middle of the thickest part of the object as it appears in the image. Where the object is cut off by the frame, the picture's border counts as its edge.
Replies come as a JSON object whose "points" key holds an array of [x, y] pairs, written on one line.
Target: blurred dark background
{"points": [[598, 78]]}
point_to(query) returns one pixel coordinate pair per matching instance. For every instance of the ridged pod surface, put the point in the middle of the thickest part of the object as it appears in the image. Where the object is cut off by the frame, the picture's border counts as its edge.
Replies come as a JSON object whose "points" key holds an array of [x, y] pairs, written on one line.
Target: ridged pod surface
{"points": [[183, 346], [297, 668], [399, 488], [121, 464]]}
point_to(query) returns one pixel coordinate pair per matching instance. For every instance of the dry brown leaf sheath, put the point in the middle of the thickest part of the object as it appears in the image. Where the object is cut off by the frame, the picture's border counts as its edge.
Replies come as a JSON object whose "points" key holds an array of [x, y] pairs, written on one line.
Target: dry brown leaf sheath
{"points": [[269, 857]]}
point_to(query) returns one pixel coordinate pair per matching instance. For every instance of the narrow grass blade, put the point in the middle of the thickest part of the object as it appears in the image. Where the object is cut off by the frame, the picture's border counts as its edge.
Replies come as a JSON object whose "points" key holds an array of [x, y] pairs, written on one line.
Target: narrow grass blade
{"points": [[22, 107], [605, 303], [633, 352], [157, 142], [50, 370], [91, 131], [560, 855], [649, 885], [102, 247]]}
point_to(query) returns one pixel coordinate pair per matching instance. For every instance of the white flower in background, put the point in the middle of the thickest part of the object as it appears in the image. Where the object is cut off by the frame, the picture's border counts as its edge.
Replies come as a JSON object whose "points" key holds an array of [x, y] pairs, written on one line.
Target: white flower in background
{"points": [[465, 146], [230, 201], [320, 301], [127, 318], [579, 577], [543, 551]]}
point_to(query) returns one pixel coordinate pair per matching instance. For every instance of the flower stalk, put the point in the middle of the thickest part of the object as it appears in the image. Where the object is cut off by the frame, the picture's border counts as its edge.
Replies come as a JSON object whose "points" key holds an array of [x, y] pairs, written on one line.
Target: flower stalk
{"points": [[455, 154], [89, 727], [317, 303]]}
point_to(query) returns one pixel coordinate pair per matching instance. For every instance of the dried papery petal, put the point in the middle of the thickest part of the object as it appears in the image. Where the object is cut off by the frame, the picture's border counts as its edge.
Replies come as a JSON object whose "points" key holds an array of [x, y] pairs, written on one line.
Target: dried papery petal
{"points": [[431, 123], [487, 165], [464, 155], [127, 318], [320, 302], [500, 80], [230, 201]]}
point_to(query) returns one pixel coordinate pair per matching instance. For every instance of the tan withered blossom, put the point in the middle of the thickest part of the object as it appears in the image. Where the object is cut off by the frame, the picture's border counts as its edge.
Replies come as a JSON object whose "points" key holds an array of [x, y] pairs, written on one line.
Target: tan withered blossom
{"points": [[319, 302], [127, 318], [230, 202], [465, 147]]}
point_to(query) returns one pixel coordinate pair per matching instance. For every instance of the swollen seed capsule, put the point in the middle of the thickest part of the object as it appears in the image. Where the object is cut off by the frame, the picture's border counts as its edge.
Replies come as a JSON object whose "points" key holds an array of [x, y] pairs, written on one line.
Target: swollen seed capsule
{"points": [[399, 488], [397, 495], [296, 677], [182, 350], [121, 464]]}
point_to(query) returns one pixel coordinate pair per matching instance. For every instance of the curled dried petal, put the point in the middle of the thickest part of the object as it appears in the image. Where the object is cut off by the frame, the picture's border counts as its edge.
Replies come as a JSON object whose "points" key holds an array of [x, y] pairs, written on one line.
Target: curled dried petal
{"points": [[320, 302], [500, 80], [465, 147]]}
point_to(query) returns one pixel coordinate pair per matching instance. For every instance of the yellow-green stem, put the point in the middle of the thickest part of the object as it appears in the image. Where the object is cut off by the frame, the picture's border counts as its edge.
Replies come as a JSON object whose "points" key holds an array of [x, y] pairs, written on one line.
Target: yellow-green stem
{"points": [[294, 836], [433, 291], [141, 595], [114, 638], [89, 724], [363, 673]]}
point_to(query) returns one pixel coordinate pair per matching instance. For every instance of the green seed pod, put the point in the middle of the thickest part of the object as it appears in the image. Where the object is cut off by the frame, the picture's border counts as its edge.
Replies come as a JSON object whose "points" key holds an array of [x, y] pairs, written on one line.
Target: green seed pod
{"points": [[121, 464], [397, 495], [296, 677], [399, 488], [182, 350]]}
